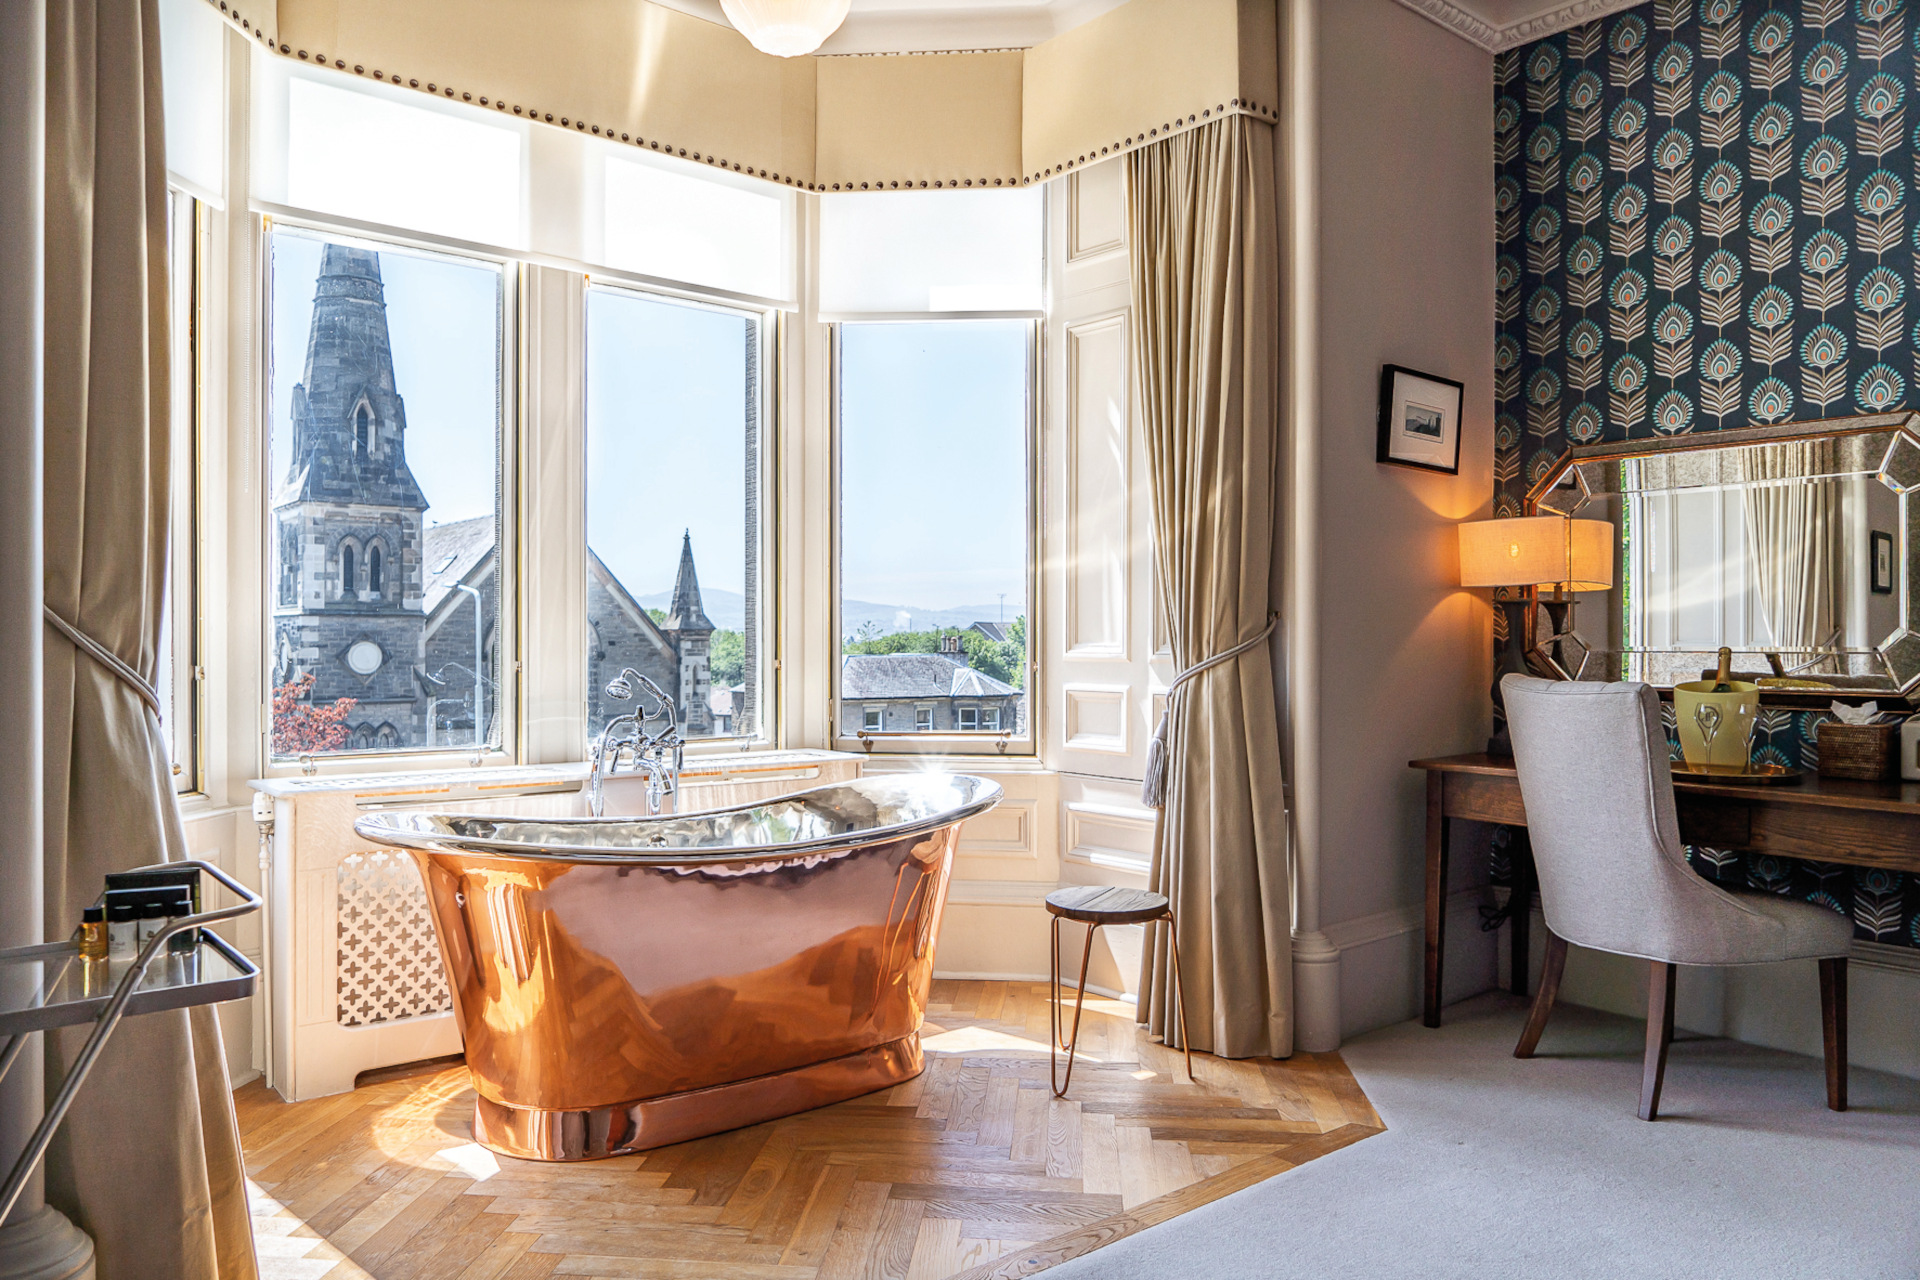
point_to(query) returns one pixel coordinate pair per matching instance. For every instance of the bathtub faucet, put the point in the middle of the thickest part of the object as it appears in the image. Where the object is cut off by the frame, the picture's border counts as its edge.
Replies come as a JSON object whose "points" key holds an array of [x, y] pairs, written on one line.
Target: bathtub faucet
{"points": [[658, 755]]}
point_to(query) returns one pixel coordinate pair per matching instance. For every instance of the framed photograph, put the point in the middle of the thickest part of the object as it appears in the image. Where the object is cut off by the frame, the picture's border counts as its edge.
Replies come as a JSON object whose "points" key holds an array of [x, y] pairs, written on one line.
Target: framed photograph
{"points": [[1419, 420], [1882, 563]]}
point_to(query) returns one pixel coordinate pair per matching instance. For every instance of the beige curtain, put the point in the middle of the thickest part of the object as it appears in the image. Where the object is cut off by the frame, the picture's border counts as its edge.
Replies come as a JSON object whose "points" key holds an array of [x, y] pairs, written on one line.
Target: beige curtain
{"points": [[148, 1161], [1793, 541], [1206, 349]]}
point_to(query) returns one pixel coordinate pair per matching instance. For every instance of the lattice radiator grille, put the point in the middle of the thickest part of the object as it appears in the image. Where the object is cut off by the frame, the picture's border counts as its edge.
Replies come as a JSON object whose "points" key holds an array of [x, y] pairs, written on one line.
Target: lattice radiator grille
{"points": [[389, 965]]}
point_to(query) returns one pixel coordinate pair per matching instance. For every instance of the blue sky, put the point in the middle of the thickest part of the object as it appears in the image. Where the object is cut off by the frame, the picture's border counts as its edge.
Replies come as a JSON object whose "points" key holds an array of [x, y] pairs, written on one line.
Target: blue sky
{"points": [[933, 420], [666, 439], [933, 430]]}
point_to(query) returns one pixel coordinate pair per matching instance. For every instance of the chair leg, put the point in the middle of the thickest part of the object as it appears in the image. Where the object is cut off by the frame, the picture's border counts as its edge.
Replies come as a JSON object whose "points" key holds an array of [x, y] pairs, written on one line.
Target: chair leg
{"points": [[1073, 1044], [1180, 995], [1833, 1025], [1653, 1072], [1551, 968]]}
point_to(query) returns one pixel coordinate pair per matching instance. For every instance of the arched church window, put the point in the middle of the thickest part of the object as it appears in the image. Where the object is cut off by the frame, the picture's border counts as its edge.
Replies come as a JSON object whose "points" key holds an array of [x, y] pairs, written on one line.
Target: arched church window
{"points": [[348, 571], [374, 559], [363, 738], [388, 737], [363, 431]]}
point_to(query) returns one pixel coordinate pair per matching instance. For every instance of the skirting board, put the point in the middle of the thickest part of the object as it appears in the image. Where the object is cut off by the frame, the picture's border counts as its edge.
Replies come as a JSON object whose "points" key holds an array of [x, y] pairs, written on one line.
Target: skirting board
{"points": [[1382, 961], [1775, 1005]]}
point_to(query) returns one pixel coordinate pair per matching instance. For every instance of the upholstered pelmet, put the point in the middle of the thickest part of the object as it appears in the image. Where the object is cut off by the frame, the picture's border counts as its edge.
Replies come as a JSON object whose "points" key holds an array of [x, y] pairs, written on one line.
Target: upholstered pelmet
{"points": [[646, 76]]}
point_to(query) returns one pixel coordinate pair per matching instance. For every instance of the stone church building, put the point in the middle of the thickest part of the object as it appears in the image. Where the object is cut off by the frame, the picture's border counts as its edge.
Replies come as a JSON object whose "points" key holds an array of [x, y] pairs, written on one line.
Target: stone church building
{"points": [[379, 606]]}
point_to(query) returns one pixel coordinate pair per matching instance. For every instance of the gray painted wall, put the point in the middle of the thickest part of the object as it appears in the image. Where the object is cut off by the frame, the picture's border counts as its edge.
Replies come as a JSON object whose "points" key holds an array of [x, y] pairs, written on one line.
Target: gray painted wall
{"points": [[1406, 277]]}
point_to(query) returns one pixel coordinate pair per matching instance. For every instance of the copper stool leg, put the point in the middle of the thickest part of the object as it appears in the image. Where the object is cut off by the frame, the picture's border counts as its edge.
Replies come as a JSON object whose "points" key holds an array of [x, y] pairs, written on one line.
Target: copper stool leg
{"points": [[1180, 995], [1054, 1016]]}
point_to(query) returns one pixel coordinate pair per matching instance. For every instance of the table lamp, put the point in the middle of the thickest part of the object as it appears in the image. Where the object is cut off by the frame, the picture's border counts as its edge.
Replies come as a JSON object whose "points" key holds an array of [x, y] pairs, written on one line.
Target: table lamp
{"points": [[1525, 553]]}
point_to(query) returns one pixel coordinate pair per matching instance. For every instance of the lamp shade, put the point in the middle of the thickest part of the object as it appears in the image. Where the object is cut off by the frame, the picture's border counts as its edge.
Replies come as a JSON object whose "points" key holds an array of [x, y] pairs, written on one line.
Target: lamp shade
{"points": [[1589, 555], [1537, 551], [786, 28]]}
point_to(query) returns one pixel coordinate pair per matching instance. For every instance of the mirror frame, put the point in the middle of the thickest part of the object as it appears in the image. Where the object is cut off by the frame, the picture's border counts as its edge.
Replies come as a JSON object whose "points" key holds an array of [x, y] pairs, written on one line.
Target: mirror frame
{"points": [[1904, 646]]}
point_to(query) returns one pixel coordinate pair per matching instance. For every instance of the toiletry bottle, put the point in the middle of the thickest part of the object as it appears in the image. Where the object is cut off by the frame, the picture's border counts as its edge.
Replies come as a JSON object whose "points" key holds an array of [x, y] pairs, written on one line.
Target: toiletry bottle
{"points": [[123, 928], [93, 933], [153, 914], [179, 902]]}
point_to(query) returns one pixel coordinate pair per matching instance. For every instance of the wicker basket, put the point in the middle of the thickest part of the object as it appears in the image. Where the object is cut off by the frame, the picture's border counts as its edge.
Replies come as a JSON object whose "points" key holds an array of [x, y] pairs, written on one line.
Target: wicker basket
{"points": [[1869, 752]]}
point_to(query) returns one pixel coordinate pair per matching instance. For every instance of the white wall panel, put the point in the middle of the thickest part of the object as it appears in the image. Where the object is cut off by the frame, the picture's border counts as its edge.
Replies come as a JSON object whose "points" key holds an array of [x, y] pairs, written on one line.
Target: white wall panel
{"points": [[1099, 489]]}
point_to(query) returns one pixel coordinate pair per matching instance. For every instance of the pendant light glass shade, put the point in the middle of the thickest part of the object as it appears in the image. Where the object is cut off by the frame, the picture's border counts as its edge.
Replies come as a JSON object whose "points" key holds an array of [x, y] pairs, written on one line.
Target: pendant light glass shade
{"points": [[786, 28]]}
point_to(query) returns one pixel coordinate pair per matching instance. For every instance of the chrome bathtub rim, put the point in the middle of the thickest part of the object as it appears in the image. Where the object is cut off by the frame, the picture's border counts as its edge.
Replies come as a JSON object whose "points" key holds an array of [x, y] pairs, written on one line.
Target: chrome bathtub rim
{"points": [[386, 828]]}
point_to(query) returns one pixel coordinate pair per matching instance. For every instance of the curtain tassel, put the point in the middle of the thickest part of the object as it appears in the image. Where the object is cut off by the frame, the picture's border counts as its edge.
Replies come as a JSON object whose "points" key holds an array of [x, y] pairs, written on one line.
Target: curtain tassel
{"points": [[1153, 786]]}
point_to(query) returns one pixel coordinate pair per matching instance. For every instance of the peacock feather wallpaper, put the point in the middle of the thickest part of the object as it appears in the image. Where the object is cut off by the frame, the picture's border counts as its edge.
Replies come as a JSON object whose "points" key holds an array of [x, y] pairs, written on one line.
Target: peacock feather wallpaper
{"points": [[1705, 215]]}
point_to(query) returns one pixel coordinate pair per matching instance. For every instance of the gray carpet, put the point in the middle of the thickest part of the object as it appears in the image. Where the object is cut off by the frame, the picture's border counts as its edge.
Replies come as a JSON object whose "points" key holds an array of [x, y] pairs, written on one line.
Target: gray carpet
{"points": [[1493, 1167]]}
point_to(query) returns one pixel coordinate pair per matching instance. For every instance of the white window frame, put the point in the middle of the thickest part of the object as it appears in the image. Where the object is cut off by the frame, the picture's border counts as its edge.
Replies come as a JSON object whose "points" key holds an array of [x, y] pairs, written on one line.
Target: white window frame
{"points": [[186, 709], [1004, 742], [923, 714], [765, 320], [968, 713], [506, 699], [873, 718]]}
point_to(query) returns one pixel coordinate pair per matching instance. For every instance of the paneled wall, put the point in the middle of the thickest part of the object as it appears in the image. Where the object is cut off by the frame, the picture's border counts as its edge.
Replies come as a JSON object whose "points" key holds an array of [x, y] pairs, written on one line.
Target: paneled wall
{"points": [[1704, 221]]}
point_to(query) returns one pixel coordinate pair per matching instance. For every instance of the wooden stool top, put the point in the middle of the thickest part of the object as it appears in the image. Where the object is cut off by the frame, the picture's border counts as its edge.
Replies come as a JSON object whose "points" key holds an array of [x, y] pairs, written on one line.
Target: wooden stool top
{"points": [[1107, 904]]}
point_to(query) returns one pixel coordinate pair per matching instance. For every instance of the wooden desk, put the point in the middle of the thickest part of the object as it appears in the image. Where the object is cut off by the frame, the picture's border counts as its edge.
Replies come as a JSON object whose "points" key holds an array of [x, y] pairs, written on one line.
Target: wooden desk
{"points": [[1869, 824]]}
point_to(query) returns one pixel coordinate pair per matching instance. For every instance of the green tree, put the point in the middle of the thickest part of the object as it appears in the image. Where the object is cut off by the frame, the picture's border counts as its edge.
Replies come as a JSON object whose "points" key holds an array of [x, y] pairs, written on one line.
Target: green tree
{"points": [[727, 659], [1004, 660]]}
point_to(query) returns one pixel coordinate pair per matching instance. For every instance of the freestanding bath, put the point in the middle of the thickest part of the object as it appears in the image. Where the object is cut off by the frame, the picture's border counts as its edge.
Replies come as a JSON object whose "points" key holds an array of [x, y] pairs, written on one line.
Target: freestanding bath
{"points": [[625, 983]]}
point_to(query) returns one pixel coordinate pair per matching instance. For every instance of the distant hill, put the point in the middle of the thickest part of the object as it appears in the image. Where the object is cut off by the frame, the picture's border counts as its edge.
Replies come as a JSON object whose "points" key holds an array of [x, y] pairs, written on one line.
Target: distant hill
{"points": [[728, 609]]}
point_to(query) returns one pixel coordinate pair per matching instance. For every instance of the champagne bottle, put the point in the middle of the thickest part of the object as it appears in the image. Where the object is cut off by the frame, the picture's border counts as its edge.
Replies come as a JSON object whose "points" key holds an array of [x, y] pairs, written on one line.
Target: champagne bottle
{"points": [[1723, 678]]}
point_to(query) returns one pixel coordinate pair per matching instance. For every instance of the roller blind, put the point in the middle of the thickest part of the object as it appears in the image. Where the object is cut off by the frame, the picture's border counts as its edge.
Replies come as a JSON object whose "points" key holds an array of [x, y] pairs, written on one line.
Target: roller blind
{"points": [[193, 79], [690, 227], [340, 146], [931, 251]]}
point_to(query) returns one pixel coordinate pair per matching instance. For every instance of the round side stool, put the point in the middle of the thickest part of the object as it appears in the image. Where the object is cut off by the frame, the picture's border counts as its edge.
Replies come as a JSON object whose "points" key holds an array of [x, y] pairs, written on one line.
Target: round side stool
{"points": [[1095, 905]]}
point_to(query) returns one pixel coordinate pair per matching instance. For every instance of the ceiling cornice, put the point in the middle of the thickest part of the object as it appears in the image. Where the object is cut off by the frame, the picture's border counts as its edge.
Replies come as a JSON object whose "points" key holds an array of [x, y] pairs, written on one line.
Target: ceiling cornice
{"points": [[1497, 39]]}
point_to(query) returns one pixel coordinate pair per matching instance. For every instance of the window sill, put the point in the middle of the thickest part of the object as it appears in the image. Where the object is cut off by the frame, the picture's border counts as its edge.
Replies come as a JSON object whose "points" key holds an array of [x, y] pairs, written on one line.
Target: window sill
{"points": [[900, 762], [510, 779]]}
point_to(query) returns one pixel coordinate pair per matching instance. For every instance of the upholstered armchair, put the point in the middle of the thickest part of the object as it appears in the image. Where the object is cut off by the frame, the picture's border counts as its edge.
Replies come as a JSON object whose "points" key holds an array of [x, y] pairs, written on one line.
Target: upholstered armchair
{"points": [[1595, 775]]}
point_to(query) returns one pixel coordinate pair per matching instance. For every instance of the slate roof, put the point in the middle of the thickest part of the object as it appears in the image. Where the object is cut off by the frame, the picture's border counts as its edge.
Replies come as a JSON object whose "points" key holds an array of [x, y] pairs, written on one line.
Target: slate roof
{"points": [[451, 552], [915, 675], [991, 630]]}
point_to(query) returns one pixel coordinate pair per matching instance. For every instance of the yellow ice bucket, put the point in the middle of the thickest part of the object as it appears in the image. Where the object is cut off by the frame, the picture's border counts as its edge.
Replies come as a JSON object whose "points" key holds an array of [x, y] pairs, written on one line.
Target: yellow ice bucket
{"points": [[1715, 727]]}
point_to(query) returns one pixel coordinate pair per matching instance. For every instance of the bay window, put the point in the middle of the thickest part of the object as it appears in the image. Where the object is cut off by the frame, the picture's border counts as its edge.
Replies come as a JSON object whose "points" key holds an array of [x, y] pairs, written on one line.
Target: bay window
{"points": [[458, 303]]}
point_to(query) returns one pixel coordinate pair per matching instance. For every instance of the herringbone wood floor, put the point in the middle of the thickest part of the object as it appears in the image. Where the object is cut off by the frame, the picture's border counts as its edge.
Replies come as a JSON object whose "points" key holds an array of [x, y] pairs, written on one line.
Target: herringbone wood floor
{"points": [[972, 1169]]}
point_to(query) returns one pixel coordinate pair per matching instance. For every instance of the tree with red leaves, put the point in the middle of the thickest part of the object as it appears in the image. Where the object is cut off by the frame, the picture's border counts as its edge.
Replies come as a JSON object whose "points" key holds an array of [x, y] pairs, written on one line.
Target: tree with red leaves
{"points": [[300, 728]]}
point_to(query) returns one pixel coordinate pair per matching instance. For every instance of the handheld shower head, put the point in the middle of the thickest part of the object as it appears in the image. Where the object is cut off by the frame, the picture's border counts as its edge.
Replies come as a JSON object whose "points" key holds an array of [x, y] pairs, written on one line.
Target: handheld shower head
{"points": [[619, 688]]}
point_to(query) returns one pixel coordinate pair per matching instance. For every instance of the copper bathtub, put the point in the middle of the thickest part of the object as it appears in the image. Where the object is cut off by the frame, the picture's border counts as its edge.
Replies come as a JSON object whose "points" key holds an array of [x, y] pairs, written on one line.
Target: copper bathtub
{"points": [[625, 983]]}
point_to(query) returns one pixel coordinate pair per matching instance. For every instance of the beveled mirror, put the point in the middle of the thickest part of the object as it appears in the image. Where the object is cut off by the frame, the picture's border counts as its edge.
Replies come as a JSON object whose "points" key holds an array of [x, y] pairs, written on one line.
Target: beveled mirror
{"points": [[1792, 545]]}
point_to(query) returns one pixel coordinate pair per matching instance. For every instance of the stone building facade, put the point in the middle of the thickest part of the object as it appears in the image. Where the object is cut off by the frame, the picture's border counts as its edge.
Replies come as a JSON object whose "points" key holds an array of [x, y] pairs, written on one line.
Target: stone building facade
{"points": [[378, 606], [925, 693]]}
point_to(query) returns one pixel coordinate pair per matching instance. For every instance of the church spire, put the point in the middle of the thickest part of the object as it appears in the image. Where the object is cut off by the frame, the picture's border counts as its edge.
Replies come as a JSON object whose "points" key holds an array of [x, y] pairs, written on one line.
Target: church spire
{"points": [[349, 424], [686, 612]]}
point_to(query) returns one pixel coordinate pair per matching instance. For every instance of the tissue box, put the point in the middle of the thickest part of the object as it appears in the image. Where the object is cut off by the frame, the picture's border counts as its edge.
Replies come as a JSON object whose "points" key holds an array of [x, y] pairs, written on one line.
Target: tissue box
{"points": [[1868, 752]]}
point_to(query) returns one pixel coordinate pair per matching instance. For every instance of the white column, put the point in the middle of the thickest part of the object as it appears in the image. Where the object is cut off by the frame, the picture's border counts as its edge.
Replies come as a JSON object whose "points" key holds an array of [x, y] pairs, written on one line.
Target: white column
{"points": [[1316, 961], [35, 1240]]}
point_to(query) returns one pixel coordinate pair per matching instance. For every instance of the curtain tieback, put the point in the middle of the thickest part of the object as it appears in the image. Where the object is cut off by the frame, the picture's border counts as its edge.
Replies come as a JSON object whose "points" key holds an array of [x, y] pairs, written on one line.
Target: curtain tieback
{"points": [[105, 657], [1153, 788]]}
